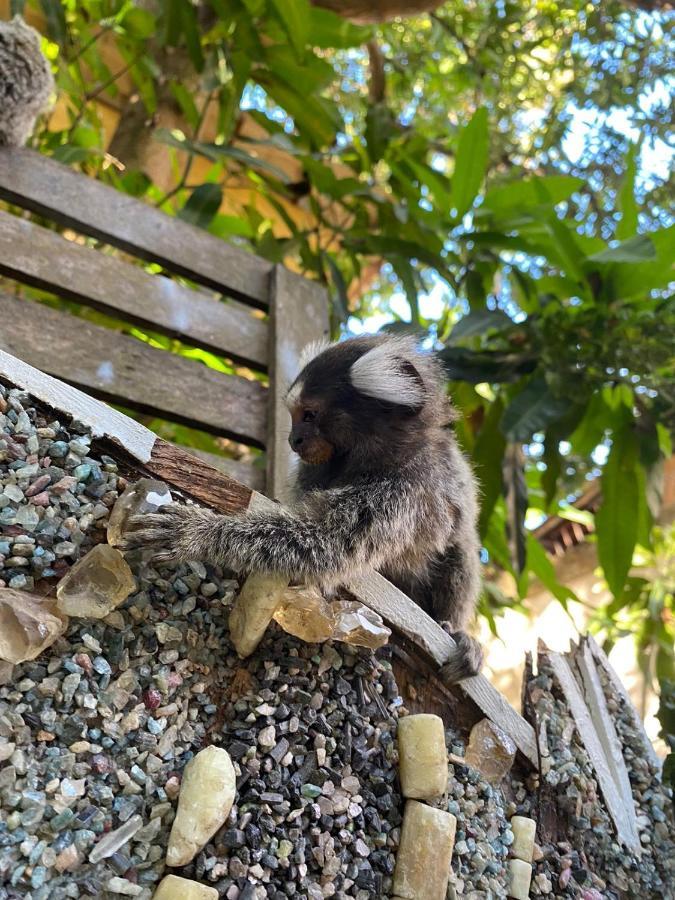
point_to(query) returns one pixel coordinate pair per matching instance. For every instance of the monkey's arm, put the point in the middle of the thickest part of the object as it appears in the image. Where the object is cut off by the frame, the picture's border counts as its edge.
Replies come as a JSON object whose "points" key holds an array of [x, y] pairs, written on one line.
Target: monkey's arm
{"points": [[327, 536]]}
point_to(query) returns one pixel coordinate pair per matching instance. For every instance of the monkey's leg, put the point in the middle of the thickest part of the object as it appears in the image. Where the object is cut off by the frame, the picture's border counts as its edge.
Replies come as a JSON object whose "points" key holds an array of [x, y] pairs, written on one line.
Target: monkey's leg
{"points": [[467, 660]]}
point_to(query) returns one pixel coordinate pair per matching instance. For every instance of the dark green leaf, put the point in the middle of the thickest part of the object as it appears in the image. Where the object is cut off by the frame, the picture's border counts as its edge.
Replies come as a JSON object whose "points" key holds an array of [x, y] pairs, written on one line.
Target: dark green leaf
{"points": [[470, 162], [380, 128], [531, 411], [406, 273], [55, 14], [341, 299], [542, 567], [69, 153], [628, 224], [193, 41], [487, 455], [553, 462], [203, 205], [476, 366], [294, 15], [186, 102], [216, 152], [479, 321], [635, 250], [317, 118], [515, 495], [16, 7]]}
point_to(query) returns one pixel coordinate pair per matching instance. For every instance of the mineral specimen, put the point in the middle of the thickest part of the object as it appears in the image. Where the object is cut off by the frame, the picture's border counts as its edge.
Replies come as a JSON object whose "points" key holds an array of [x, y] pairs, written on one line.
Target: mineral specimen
{"points": [[143, 496], [304, 613], [491, 751], [253, 610], [360, 626], [423, 759], [520, 876], [28, 625], [523, 837], [206, 796], [110, 843], [423, 861], [96, 584], [172, 887]]}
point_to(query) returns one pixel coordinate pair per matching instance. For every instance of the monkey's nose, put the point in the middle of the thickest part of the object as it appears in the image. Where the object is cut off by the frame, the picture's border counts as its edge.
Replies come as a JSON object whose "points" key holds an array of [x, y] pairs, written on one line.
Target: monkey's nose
{"points": [[296, 441]]}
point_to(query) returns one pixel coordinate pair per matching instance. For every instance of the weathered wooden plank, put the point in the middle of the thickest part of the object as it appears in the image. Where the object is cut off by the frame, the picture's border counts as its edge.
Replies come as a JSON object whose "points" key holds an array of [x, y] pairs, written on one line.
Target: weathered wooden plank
{"points": [[606, 731], [601, 658], [127, 372], [46, 260], [44, 186], [248, 473], [298, 316], [197, 479], [593, 745]]}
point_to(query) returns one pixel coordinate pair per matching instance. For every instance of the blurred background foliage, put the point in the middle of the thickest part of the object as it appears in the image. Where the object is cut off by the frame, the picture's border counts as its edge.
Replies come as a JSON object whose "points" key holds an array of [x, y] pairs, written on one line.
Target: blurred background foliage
{"points": [[491, 175]]}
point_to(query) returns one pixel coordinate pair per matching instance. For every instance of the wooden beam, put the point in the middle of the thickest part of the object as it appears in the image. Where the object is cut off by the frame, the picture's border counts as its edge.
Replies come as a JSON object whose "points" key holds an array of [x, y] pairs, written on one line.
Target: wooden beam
{"points": [[197, 479], [594, 747], [50, 189], [44, 259], [128, 372], [298, 316]]}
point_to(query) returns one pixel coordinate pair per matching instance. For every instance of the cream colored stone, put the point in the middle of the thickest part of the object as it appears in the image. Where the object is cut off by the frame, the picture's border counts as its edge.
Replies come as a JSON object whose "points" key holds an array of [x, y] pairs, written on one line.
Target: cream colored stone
{"points": [[423, 860], [253, 610], [206, 796], [28, 625], [96, 584], [423, 758], [171, 887], [523, 837], [520, 876]]}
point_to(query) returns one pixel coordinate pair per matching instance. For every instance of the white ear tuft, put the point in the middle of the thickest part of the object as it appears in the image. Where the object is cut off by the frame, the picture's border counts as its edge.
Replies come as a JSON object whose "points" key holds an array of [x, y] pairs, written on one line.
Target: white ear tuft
{"points": [[381, 373], [311, 351]]}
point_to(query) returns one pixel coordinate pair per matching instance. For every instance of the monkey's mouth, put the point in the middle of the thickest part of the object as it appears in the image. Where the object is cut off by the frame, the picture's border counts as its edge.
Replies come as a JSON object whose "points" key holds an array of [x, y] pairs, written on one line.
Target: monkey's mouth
{"points": [[315, 452]]}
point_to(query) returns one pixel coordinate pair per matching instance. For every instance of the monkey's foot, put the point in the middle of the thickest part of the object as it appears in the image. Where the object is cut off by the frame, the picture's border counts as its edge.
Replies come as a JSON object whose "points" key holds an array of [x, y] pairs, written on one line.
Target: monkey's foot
{"points": [[467, 660], [173, 534]]}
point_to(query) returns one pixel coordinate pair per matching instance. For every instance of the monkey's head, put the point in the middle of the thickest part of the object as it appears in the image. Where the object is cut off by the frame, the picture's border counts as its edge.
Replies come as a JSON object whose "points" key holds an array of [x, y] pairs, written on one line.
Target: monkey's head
{"points": [[367, 397]]}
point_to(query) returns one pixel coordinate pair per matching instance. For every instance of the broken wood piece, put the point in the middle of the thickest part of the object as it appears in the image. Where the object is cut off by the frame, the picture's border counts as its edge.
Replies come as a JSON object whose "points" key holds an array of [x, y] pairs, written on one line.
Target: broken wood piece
{"points": [[616, 806]]}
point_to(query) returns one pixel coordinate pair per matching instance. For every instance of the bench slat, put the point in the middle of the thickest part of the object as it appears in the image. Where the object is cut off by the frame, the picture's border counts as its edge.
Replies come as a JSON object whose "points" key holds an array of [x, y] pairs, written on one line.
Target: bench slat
{"points": [[123, 370], [56, 192], [247, 473], [44, 259]]}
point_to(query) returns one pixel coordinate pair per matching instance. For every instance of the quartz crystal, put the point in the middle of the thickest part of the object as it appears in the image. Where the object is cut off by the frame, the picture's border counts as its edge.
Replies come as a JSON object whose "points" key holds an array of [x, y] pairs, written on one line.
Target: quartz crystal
{"points": [[110, 843], [253, 610], [520, 876], [304, 613], [423, 758], [143, 496], [96, 584], [28, 625], [359, 625], [523, 837], [491, 751], [174, 888], [423, 859], [206, 796]]}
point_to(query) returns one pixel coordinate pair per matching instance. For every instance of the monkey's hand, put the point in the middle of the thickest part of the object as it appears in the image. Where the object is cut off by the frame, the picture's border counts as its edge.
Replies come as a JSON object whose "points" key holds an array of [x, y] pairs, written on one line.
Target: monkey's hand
{"points": [[173, 534], [465, 662]]}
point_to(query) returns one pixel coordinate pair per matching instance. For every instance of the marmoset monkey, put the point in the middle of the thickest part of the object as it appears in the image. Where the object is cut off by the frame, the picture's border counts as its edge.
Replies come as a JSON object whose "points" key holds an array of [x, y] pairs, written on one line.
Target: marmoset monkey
{"points": [[381, 483]]}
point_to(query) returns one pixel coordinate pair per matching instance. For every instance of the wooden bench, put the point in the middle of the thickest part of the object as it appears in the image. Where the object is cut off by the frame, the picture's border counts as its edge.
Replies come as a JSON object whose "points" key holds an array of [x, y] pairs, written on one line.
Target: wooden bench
{"points": [[260, 318]]}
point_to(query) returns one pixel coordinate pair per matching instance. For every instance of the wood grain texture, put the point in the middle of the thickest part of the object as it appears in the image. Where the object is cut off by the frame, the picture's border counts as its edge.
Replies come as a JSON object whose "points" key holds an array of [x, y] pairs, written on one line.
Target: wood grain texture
{"points": [[604, 726], [52, 190], [248, 473], [298, 316], [123, 370], [46, 260], [593, 745]]}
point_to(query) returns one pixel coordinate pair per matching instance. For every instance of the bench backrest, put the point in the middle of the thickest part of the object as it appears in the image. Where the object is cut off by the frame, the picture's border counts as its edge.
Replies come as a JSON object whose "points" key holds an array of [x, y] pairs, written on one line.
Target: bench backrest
{"points": [[251, 312]]}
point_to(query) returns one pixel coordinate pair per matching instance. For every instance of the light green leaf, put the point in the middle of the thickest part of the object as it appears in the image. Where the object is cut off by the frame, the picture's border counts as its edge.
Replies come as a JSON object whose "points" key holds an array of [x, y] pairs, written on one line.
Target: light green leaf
{"points": [[470, 162], [521, 194], [635, 250], [330, 31], [294, 15], [216, 152], [626, 198], [203, 204], [531, 411], [542, 567], [665, 440]]}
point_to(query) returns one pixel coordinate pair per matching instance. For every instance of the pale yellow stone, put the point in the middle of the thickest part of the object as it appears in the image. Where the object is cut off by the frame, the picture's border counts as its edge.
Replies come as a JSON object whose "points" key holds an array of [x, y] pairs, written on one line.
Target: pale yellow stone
{"points": [[358, 625], [490, 750], [520, 876], [304, 613], [28, 625], [423, 758], [253, 610], [523, 837], [206, 796], [171, 887], [96, 584], [423, 860]]}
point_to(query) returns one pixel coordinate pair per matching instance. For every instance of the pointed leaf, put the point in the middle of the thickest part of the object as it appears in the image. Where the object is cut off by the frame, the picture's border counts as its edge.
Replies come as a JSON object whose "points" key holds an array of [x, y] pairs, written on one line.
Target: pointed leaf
{"points": [[521, 194], [295, 18], [470, 162], [203, 204], [531, 411], [515, 495], [626, 199], [479, 321], [474, 366], [487, 457], [635, 250]]}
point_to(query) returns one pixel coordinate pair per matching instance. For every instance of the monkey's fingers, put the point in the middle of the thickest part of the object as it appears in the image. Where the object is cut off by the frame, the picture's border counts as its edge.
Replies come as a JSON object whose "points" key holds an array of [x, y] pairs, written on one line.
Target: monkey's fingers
{"points": [[153, 530], [466, 662]]}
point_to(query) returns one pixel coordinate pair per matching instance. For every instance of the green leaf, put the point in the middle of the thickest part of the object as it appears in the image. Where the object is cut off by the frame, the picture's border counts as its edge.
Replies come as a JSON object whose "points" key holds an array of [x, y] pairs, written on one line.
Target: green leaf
{"points": [[380, 128], [553, 462], [216, 152], [542, 567], [330, 31], [635, 250], [487, 455], [186, 102], [69, 153], [470, 162], [479, 321], [190, 29], [203, 205], [565, 246], [16, 7], [55, 14], [139, 23], [341, 299], [628, 223], [522, 194], [617, 520], [665, 440], [636, 279], [474, 366], [515, 497], [531, 411], [294, 15], [317, 118], [406, 273]]}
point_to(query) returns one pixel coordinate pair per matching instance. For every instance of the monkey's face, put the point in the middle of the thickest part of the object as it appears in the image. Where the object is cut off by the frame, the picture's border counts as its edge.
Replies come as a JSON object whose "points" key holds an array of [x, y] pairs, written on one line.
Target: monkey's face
{"points": [[306, 437]]}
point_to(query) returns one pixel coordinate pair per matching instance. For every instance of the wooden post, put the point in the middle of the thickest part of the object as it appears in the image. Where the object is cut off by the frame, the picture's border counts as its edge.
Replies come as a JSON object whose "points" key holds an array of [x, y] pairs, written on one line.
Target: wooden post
{"points": [[298, 316]]}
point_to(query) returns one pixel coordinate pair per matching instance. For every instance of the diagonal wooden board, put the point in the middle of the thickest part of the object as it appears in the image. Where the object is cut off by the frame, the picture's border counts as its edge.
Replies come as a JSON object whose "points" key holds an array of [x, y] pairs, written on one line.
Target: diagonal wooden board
{"points": [[197, 479]]}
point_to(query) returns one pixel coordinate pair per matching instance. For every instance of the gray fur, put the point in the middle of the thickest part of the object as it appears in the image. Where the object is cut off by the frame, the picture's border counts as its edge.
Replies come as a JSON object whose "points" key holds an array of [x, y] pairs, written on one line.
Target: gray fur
{"points": [[399, 497], [26, 81]]}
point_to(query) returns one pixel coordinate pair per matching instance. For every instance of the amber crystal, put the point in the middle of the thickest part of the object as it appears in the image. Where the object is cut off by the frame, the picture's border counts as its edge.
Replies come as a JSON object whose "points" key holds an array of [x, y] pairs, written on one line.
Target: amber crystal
{"points": [[28, 625], [491, 751], [304, 613], [96, 584], [358, 625], [143, 496]]}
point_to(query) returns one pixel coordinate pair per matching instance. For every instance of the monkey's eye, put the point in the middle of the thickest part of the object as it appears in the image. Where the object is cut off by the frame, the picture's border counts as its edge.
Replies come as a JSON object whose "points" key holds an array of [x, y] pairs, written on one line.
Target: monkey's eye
{"points": [[308, 416]]}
